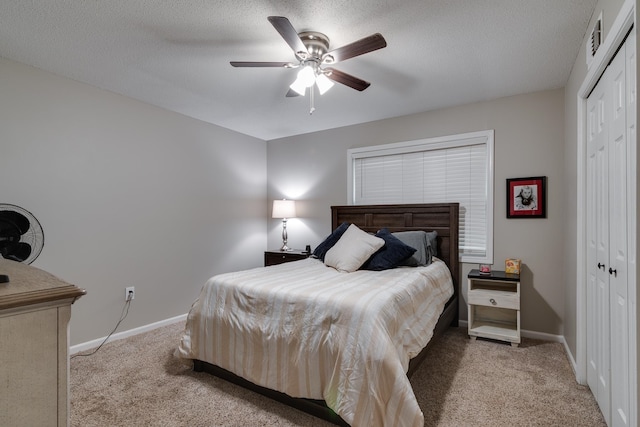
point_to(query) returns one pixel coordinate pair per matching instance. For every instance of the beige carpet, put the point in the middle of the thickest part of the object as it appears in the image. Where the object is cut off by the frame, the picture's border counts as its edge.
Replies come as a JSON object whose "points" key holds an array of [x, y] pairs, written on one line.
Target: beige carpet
{"points": [[138, 382]]}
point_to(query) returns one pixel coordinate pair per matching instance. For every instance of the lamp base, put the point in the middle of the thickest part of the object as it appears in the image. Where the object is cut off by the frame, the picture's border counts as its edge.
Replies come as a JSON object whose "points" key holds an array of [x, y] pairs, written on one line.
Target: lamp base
{"points": [[284, 247]]}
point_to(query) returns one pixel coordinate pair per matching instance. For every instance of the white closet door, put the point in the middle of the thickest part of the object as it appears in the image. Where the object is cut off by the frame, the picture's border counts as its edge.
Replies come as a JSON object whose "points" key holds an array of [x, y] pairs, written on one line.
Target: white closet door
{"points": [[610, 141], [632, 286], [598, 356], [618, 240]]}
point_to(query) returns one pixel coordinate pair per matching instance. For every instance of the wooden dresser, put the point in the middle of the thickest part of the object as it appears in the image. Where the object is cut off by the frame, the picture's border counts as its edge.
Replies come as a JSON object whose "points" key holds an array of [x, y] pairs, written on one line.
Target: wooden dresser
{"points": [[35, 309]]}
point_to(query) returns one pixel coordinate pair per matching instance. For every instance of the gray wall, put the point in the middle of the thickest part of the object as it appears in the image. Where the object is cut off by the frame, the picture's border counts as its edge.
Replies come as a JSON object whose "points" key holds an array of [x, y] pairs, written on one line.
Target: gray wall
{"points": [[610, 9], [128, 195], [529, 141]]}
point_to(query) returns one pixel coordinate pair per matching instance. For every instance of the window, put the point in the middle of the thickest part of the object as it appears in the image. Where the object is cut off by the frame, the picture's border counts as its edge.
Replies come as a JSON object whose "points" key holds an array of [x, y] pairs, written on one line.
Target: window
{"points": [[456, 168]]}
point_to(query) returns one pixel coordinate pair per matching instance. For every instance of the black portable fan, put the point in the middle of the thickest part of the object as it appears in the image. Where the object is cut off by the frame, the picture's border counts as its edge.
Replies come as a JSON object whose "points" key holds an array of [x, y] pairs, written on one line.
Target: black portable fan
{"points": [[21, 235]]}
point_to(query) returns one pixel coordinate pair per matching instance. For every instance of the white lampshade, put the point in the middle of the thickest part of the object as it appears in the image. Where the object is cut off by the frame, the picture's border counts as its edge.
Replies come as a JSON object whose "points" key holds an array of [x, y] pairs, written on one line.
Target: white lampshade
{"points": [[324, 83], [307, 76], [284, 209], [299, 87]]}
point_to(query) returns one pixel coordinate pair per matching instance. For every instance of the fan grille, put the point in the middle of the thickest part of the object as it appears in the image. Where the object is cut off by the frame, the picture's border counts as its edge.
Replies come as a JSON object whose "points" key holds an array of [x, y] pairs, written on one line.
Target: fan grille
{"points": [[21, 235]]}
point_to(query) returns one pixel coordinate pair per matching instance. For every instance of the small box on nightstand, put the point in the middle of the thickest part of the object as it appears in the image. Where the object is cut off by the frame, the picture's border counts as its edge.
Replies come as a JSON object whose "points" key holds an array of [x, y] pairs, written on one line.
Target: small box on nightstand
{"points": [[512, 266]]}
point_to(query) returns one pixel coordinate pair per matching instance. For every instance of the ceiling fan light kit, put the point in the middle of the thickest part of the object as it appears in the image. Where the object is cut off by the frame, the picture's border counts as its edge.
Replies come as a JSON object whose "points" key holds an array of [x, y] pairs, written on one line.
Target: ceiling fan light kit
{"points": [[306, 78], [311, 49], [323, 83]]}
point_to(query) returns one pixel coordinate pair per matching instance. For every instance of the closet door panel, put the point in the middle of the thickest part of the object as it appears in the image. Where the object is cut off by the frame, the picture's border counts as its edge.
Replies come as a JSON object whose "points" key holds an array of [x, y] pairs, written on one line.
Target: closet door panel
{"points": [[632, 361], [598, 356], [591, 239], [602, 338], [592, 264], [618, 257]]}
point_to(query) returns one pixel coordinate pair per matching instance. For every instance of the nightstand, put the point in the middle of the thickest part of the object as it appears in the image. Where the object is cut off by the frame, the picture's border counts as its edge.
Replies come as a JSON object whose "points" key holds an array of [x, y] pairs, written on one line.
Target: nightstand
{"points": [[279, 257], [494, 306]]}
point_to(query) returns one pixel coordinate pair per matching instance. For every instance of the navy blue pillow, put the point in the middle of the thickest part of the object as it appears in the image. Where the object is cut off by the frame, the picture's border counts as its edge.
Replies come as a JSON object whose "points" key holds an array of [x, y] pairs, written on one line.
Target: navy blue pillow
{"points": [[390, 255], [321, 250]]}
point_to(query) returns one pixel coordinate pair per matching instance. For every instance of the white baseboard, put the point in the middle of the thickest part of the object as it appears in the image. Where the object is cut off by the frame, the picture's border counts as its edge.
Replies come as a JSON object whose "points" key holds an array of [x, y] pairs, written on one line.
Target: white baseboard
{"points": [[542, 336], [124, 334], [572, 361]]}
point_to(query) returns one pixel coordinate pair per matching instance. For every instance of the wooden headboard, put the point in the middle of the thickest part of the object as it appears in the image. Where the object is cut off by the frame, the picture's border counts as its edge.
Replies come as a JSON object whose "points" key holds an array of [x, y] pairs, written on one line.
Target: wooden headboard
{"points": [[441, 217]]}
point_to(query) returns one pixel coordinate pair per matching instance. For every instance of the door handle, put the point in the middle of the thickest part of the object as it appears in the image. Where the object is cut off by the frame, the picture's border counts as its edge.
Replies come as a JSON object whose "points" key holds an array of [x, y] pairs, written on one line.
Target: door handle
{"points": [[601, 266], [614, 272]]}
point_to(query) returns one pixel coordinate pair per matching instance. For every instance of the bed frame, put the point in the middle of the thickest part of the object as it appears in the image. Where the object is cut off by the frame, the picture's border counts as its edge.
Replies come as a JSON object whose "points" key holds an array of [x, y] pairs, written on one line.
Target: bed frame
{"points": [[441, 217]]}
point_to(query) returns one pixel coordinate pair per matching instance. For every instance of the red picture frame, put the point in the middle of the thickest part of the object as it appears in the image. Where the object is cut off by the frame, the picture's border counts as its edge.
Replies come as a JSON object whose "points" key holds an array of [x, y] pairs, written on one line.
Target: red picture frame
{"points": [[527, 197]]}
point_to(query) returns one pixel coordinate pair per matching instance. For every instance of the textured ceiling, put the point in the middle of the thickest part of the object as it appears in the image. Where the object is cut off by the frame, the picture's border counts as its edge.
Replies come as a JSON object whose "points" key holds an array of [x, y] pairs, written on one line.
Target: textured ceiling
{"points": [[175, 54]]}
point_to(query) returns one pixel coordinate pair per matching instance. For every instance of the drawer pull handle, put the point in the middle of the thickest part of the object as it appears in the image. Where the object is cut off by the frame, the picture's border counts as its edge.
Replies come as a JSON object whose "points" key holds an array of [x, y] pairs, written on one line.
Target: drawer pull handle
{"points": [[492, 301]]}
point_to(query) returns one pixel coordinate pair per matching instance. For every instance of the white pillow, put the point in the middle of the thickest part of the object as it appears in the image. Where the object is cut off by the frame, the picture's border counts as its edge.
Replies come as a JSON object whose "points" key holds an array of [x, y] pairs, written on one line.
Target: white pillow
{"points": [[352, 250]]}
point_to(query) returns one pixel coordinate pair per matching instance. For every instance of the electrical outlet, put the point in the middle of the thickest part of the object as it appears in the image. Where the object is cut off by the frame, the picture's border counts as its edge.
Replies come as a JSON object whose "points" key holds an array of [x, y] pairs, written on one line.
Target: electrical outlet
{"points": [[129, 293]]}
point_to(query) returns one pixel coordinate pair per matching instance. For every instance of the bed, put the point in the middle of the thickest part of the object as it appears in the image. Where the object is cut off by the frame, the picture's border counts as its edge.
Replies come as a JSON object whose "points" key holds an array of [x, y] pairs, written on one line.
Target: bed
{"points": [[320, 385]]}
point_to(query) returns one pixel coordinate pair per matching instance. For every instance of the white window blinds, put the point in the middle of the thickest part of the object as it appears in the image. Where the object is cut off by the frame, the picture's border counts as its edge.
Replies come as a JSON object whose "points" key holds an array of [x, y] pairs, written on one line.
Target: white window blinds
{"points": [[455, 168]]}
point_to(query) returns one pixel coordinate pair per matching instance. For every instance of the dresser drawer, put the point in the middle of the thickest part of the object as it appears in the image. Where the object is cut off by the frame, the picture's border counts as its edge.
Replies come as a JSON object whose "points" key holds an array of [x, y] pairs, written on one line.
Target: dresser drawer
{"points": [[500, 299]]}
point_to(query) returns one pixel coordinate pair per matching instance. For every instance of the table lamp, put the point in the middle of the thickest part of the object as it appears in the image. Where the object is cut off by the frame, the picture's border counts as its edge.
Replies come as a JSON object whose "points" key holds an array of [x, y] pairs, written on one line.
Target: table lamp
{"points": [[284, 209]]}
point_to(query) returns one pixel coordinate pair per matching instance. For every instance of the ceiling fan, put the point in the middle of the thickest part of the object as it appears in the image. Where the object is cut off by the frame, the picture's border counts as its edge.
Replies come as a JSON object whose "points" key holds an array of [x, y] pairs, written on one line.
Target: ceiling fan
{"points": [[313, 57]]}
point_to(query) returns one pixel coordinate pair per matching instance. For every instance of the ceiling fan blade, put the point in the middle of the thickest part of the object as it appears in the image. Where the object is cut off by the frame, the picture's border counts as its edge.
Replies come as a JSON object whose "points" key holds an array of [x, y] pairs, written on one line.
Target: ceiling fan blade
{"points": [[360, 47], [289, 34], [291, 93], [262, 64], [346, 79]]}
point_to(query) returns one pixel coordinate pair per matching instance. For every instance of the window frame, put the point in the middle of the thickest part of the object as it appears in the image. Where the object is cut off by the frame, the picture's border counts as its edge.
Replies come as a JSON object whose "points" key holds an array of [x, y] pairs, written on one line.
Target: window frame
{"points": [[437, 143]]}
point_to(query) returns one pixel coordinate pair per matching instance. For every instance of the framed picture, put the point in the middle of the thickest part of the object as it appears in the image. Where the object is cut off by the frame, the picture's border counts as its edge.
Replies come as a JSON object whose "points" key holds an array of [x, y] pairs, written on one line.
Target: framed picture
{"points": [[527, 197]]}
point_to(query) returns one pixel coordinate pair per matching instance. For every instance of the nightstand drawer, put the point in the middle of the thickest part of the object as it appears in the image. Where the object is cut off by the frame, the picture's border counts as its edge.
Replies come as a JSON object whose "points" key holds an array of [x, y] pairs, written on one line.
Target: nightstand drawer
{"points": [[279, 257], [495, 299]]}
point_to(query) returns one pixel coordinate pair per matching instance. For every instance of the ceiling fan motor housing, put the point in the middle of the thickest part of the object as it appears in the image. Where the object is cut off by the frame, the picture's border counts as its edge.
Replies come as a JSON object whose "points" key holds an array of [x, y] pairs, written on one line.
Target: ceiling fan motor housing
{"points": [[317, 45]]}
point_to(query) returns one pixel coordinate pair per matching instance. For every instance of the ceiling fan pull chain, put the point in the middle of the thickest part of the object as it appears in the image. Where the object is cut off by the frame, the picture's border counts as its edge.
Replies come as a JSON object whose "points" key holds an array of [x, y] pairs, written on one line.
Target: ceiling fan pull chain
{"points": [[312, 108]]}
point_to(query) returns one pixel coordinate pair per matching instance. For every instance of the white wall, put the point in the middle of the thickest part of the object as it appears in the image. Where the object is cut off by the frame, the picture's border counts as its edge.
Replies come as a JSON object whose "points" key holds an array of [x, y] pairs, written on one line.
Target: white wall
{"points": [[128, 195], [529, 141]]}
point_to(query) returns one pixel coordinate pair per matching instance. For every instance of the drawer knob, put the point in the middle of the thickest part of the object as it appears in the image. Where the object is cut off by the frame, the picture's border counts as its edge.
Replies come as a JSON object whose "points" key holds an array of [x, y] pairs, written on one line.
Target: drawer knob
{"points": [[492, 301]]}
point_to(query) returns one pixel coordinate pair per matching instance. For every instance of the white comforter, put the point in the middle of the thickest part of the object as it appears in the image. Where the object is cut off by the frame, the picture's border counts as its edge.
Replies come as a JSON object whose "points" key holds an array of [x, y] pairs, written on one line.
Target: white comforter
{"points": [[305, 329]]}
